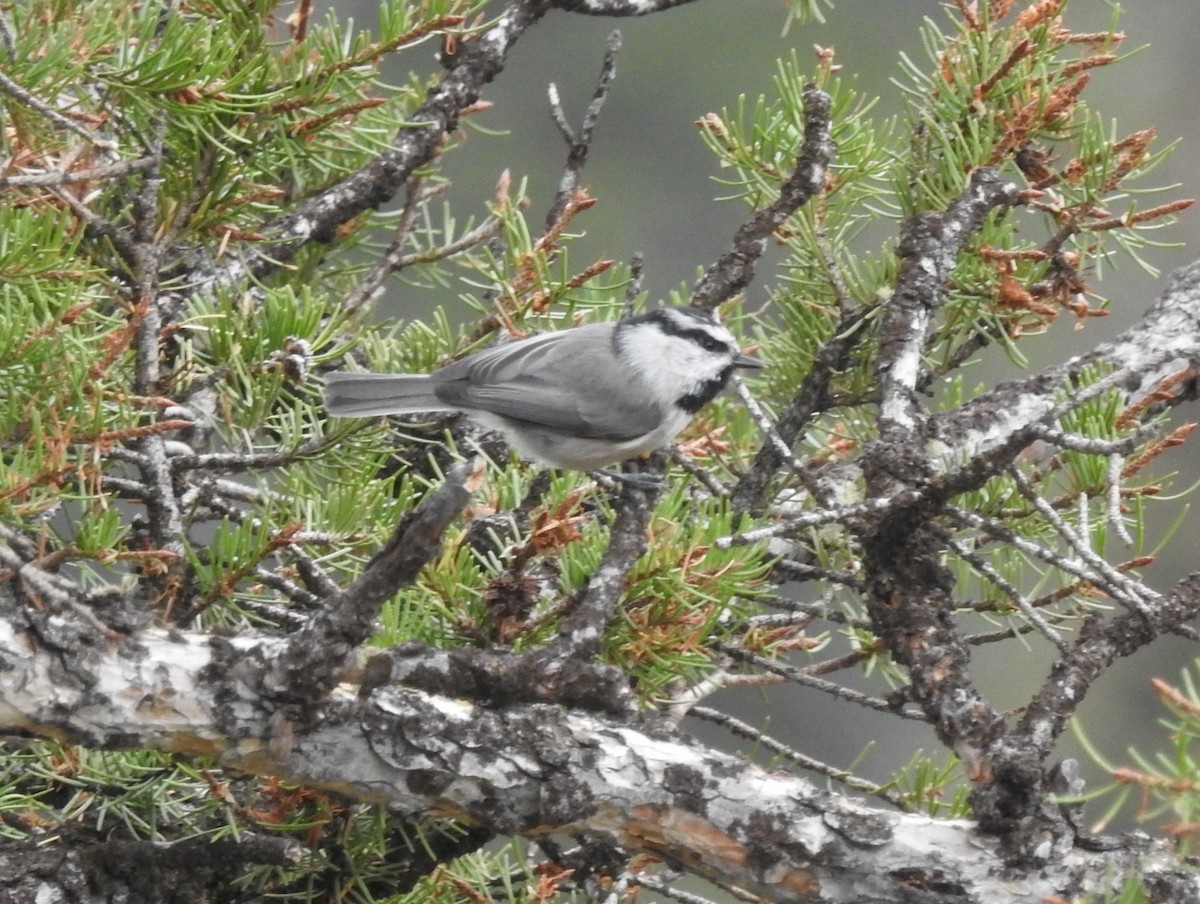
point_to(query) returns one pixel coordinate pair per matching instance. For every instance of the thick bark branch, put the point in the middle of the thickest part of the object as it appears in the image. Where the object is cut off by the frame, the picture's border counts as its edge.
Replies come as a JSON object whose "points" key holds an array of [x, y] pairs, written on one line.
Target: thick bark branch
{"points": [[929, 247], [531, 770], [75, 865]]}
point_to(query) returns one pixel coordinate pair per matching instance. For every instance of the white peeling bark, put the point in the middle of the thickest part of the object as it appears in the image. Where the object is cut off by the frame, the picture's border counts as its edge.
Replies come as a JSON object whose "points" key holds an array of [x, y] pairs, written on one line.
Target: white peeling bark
{"points": [[528, 770]]}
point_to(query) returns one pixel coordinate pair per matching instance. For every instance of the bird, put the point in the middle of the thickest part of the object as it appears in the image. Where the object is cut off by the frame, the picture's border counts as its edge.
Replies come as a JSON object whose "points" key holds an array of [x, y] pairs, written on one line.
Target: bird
{"points": [[582, 398]]}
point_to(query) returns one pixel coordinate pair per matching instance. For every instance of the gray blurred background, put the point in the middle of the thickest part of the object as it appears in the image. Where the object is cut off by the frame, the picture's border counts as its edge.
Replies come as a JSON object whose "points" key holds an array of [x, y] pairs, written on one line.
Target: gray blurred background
{"points": [[653, 178]]}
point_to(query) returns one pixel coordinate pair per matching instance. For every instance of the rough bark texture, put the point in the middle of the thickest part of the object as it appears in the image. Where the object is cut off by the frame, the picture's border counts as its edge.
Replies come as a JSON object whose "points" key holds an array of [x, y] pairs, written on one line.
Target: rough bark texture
{"points": [[75, 867], [530, 769]]}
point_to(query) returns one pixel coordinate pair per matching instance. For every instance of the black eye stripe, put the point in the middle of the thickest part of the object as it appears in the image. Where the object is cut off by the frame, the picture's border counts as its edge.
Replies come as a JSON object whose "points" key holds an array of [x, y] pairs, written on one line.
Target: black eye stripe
{"points": [[700, 337], [672, 327]]}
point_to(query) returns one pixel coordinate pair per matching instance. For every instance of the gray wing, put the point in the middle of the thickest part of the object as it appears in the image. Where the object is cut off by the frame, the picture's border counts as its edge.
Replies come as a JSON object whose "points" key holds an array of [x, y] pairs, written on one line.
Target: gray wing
{"points": [[566, 382]]}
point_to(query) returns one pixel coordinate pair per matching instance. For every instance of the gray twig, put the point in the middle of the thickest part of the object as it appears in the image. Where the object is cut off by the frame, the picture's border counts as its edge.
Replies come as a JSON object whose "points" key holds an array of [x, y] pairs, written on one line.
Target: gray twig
{"points": [[579, 142], [71, 177], [15, 91], [761, 738], [1132, 593], [803, 678]]}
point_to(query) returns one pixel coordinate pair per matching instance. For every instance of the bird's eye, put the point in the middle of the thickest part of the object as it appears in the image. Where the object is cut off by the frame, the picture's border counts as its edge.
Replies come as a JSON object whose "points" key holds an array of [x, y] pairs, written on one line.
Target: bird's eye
{"points": [[709, 344]]}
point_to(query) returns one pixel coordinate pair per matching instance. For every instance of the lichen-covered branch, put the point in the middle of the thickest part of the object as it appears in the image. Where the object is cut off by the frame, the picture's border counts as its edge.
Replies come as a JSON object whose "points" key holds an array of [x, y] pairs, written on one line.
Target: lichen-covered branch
{"points": [[527, 769], [930, 243]]}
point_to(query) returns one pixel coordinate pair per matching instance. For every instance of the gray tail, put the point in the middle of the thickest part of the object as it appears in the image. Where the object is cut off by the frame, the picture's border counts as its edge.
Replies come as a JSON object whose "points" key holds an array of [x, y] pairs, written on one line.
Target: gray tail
{"points": [[368, 395]]}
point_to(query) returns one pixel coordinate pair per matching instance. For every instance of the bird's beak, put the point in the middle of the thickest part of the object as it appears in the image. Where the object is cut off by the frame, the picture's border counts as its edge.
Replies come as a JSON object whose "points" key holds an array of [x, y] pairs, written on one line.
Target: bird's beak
{"points": [[749, 363]]}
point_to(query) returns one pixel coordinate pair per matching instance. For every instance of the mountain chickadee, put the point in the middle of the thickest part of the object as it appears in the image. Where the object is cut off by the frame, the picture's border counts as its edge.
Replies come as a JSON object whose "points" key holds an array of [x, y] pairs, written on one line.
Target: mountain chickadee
{"points": [[579, 398]]}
